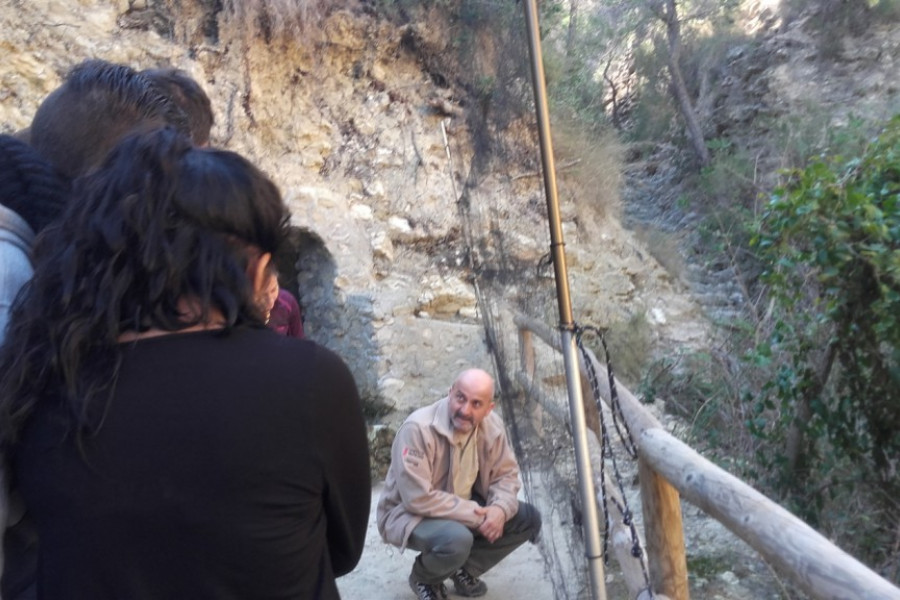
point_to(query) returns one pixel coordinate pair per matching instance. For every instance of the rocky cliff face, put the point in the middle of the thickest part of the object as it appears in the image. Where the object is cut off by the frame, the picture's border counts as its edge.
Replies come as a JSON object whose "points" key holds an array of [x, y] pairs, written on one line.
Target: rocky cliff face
{"points": [[372, 149]]}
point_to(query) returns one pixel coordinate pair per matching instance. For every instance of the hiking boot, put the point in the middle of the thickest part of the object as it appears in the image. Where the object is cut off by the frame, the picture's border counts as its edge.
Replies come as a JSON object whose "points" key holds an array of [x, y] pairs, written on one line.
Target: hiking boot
{"points": [[428, 591], [468, 586]]}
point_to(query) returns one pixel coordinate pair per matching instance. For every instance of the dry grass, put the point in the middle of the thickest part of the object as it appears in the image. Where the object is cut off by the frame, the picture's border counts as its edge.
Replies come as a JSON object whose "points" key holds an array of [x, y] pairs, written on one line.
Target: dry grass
{"points": [[589, 169], [277, 19], [630, 346], [665, 248]]}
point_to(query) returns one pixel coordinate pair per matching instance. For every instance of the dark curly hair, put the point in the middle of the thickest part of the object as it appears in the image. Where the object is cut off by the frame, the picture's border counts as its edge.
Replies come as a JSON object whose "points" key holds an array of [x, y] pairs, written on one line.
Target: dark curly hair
{"points": [[29, 185], [159, 222]]}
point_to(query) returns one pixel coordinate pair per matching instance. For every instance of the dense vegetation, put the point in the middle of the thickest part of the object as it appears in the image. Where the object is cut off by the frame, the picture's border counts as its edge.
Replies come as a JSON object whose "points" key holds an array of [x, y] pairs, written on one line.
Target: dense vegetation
{"points": [[828, 412]]}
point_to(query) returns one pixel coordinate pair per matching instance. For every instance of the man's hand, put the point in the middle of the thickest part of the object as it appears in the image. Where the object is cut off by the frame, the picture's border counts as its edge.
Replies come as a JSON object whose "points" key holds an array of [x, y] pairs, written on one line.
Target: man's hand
{"points": [[492, 525]]}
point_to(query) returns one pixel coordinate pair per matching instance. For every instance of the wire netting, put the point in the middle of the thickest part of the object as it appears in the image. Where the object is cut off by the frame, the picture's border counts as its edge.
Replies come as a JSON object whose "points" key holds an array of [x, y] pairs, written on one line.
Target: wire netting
{"points": [[539, 431]]}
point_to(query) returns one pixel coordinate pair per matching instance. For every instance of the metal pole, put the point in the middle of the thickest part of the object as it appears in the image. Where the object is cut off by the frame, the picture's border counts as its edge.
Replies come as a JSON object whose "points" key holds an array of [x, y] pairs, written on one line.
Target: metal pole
{"points": [[594, 550]]}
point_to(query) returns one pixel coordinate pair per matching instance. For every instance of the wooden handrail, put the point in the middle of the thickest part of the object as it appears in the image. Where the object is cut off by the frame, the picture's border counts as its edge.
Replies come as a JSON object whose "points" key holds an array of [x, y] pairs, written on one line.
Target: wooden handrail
{"points": [[809, 560], [792, 547]]}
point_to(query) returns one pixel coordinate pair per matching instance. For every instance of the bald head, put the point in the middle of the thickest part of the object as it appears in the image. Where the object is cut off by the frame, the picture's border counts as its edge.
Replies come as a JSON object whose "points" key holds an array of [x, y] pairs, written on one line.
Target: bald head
{"points": [[471, 399], [477, 378]]}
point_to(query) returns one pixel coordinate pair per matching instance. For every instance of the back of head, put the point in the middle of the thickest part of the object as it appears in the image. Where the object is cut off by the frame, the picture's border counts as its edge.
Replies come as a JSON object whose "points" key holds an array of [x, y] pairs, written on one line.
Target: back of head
{"points": [[187, 94], [186, 222], [97, 105], [161, 221], [29, 185]]}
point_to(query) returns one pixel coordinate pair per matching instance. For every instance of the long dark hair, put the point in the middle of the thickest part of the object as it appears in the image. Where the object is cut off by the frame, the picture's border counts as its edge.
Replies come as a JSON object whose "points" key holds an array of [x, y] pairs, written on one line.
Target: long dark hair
{"points": [[159, 222]]}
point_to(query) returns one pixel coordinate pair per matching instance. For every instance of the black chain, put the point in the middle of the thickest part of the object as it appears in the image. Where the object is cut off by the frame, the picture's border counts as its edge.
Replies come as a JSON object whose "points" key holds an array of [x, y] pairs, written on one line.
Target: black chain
{"points": [[606, 445]]}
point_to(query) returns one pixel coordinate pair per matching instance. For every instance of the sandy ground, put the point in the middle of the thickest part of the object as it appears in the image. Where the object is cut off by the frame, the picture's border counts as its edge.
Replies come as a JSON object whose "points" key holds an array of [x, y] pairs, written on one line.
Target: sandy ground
{"points": [[383, 571]]}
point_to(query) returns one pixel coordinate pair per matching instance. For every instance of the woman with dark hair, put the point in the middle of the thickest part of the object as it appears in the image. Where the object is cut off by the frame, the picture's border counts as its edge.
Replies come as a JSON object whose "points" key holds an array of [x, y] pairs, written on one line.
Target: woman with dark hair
{"points": [[167, 444]]}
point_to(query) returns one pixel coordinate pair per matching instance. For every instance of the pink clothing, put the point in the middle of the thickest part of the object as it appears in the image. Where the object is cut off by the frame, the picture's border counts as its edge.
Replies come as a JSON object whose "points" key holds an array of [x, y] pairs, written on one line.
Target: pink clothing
{"points": [[286, 317]]}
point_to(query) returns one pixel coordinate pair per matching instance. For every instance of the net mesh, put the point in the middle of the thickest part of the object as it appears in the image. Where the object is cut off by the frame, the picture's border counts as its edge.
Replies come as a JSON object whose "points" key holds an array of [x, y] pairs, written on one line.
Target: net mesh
{"points": [[539, 431]]}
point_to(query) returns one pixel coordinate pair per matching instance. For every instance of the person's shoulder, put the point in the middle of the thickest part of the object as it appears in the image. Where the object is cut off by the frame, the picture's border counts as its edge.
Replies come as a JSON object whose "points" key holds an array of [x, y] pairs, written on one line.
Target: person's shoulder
{"points": [[420, 419], [13, 223], [416, 419], [296, 362], [415, 430], [492, 426], [424, 414], [287, 300]]}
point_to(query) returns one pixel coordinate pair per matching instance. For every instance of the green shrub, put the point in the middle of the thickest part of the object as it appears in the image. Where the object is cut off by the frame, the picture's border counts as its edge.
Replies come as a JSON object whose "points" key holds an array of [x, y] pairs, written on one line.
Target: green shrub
{"points": [[629, 342], [829, 414], [654, 115]]}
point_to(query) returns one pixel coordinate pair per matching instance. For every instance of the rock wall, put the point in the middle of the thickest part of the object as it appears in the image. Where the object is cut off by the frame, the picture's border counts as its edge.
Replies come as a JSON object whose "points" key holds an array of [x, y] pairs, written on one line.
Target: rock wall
{"points": [[374, 155]]}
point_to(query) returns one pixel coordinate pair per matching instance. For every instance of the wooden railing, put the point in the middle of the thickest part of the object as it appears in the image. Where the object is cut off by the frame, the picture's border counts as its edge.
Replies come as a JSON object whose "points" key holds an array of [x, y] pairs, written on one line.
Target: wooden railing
{"points": [[669, 470]]}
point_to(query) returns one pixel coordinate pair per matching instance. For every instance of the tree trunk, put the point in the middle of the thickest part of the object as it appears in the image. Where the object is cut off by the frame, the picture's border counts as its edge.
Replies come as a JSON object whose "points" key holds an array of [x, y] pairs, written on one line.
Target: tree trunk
{"points": [[613, 95], [797, 443], [573, 27], [669, 15]]}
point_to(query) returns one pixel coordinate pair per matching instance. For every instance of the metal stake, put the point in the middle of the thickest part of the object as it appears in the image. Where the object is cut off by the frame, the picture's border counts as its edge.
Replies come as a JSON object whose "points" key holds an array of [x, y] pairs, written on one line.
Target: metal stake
{"points": [[594, 551]]}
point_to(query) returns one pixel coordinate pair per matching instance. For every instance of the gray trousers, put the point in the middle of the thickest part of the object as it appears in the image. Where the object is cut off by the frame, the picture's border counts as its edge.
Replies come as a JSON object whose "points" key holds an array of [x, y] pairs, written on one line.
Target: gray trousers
{"points": [[447, 545]]}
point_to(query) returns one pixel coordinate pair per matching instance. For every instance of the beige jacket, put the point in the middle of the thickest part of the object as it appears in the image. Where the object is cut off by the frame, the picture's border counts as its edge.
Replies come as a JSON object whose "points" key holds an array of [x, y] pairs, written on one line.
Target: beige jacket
{"points": [[419, 482]]}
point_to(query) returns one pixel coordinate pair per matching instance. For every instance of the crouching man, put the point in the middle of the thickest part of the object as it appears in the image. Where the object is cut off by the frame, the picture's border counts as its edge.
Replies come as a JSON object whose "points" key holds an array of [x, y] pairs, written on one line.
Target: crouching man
{"points": [[450, 491]]}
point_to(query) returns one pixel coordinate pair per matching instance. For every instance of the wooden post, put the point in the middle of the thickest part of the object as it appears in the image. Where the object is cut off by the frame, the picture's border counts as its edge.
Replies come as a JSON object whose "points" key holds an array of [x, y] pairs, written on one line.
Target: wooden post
{"points": [[620, 534], [591, 411], [526, 361], [665, 546], [668, 467], [665, 535], [526, 352]]}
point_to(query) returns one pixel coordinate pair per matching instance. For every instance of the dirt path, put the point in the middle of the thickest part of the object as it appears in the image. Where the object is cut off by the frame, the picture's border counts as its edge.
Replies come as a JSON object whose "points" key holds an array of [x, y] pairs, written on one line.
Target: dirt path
{"points": [[383, 571]]}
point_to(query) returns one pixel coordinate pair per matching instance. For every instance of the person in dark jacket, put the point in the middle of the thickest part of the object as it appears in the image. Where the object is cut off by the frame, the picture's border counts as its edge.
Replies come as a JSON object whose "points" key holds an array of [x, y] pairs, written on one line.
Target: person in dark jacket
{"points": [[173, 446], [32, 195]]}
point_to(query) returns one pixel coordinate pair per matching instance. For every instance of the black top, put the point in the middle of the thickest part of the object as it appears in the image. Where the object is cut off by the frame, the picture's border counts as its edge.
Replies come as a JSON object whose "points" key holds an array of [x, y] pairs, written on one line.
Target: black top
{"points": [[228, 466]]}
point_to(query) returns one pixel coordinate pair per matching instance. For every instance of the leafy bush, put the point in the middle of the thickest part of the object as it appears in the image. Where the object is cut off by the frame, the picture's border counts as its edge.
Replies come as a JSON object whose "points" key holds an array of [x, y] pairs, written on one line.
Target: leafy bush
{"points": [[728, 181], [654, 115], [703, 387], [830, 238], [630, 343]]}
